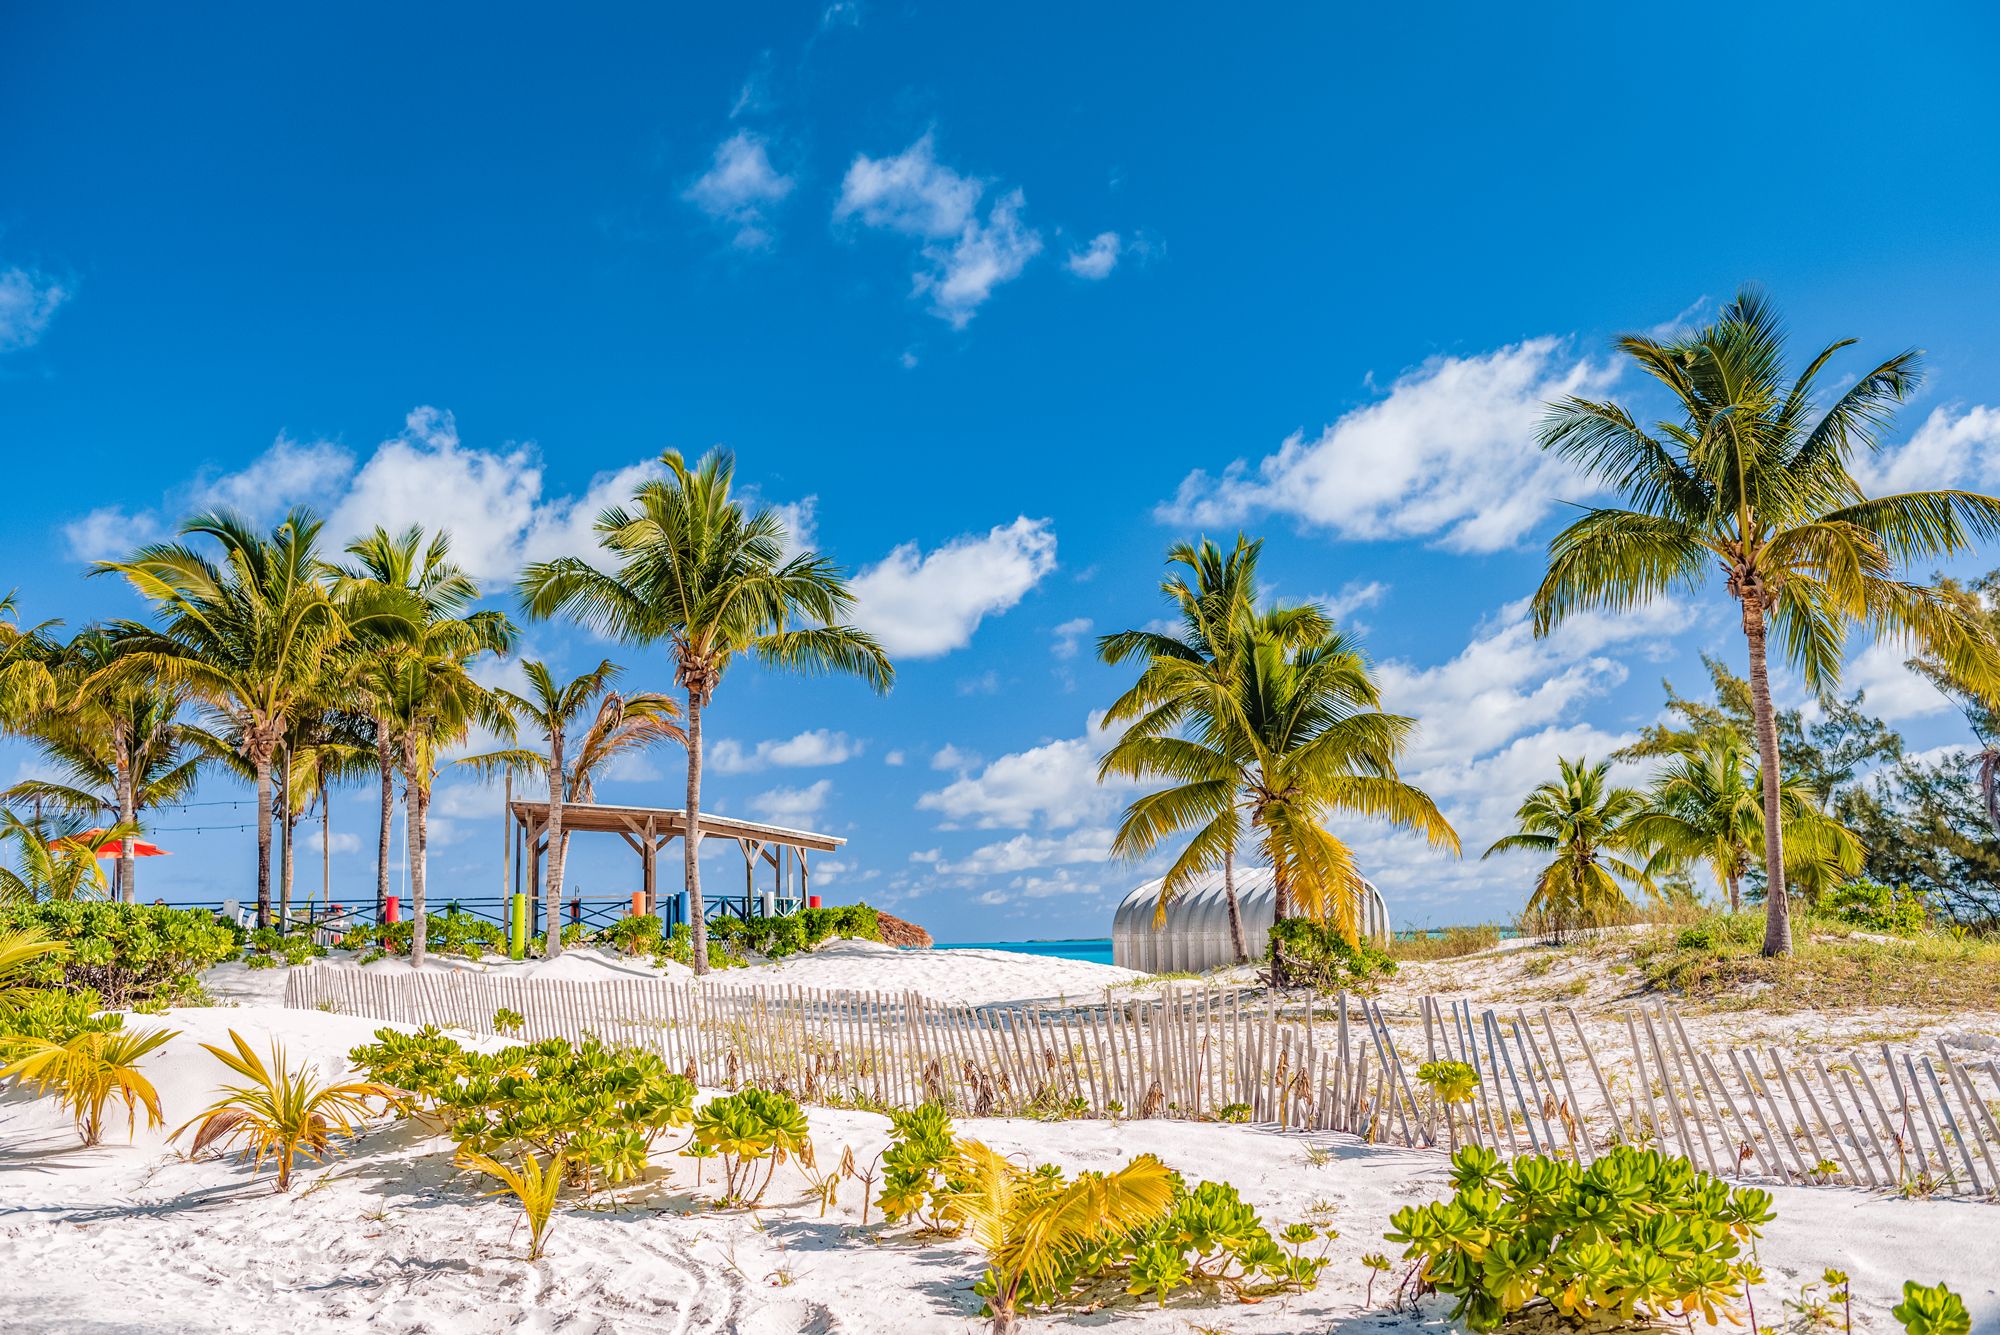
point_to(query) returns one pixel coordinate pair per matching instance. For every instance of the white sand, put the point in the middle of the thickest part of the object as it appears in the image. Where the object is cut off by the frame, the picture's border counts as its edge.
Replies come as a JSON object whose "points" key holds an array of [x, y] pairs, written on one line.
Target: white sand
{"points": [[970, 977], [133, 1238]]}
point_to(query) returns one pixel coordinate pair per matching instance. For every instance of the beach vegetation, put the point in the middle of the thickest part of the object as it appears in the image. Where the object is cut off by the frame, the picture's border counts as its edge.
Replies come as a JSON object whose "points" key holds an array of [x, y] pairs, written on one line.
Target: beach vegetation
{"points": [[129, 954], [1585, 825], [1636, 1235], [748, 1128], [1932, 1309], [281, 1112], [1752, 479], [620, 724], [693, 566], [787, 934], [533, 1183], [1320, 955], [89, 1069]]}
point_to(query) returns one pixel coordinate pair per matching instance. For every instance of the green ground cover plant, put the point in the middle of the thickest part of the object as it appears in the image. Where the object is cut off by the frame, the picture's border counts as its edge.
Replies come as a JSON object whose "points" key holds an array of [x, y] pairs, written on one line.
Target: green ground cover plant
{"points": [[129, 954], [1635, 1236]]}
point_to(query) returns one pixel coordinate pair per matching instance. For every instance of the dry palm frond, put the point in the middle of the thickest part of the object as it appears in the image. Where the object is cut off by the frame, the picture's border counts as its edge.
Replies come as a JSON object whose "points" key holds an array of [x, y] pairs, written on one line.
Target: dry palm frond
{"points": [[534, 1184], [91, 1069], [281, 1113]]}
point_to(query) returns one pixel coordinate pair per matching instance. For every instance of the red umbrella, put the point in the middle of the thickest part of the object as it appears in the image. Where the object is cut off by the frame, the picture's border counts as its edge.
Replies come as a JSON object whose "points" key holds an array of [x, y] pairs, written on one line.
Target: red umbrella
{"points": [[111, 848]]}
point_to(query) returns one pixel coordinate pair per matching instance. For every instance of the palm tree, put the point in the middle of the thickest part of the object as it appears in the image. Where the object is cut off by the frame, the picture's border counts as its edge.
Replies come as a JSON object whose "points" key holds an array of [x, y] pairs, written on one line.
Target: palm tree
{"points": [[622, 723], [696, 568], [1294, 732], [120, 744], [58, 867], [1752, 480], [433, 704], [1585, 825], [26, 684], [436, 596], [1706, 807], [1980, 704], [1213, 610], [249, 634]]}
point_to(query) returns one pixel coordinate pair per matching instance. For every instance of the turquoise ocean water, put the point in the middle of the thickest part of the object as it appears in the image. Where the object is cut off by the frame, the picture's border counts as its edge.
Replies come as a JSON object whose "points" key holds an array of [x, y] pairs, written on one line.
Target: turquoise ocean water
{"points": [[1097, 950]]}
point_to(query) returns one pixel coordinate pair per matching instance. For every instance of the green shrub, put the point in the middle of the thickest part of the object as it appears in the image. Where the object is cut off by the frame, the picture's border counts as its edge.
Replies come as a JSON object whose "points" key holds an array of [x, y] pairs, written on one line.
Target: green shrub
{"points": [[127, 953], [913, 1166], [452, 932], [1211, 1242], [746, 1128], [1636, 1232], [507, 1021], [678, 947], [637, 934], [268, 947], [1896, 910], [1933, 1310], [53, 1015], [1317, 954], [789, 933], [601, 1108]]}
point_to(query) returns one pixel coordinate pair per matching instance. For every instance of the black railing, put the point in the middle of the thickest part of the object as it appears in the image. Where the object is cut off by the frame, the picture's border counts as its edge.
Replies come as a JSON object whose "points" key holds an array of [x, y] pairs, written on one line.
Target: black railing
{"points": [[326, 921]]}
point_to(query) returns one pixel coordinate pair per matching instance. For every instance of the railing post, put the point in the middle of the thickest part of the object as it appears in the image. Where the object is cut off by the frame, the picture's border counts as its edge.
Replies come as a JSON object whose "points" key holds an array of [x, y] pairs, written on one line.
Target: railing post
{"points": [[392, 908], [517, 928]]}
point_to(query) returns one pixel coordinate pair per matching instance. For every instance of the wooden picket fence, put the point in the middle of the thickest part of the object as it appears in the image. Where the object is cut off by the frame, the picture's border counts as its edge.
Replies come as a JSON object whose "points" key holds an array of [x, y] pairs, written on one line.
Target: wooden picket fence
{"points": [[1900, 1120]]}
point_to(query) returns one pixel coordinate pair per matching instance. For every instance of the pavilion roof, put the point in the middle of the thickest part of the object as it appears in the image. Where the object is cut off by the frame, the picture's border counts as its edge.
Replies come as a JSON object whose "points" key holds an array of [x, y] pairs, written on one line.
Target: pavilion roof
{"points": [[597, 817]]}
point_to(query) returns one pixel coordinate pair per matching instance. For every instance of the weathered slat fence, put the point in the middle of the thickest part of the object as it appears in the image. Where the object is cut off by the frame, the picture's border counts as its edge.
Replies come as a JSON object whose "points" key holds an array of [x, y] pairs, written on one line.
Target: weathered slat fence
{"points": [[1910, 1120]]}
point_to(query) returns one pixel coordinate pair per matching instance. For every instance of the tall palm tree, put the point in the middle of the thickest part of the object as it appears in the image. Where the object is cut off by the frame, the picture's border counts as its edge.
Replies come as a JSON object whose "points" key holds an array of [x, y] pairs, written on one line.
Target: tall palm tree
{"points": [[622, 723], [434, 702], [1979, 703], [1584, 823], [696, 568], [1214, 594], [248, 632], [27, 685], [120, 744], [1295, 732], [1706, 808], [436, 595], [1752, 480]]}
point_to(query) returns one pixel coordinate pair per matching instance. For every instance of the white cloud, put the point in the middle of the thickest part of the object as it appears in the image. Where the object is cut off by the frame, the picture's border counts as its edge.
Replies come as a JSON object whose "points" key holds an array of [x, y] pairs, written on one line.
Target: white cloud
{"points": [[1029, 852], [342, 842], [1505, 682], [291, 472], [566, 526], [926, 605], [801, 521], [949, 757], [1054, 784], [840, 14], [1894, 691], [1069, 636], [893, 758], [1448, 452], [1954, 446], [109, 533], [913, 194], [741, 187], [1097, 259], [1353, 596], [819, 746], [784, 806], [28, 301], [487, 500]]}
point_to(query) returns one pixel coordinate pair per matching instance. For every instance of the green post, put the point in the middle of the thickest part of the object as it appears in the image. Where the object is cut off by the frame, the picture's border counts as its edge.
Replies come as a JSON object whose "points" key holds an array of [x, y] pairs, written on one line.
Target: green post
{"points": [[517, 928]]}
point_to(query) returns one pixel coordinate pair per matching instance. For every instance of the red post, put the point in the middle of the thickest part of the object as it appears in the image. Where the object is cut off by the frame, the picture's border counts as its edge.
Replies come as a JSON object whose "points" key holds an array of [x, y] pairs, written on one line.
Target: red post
{"points": [[638, 902], [392, 908], [812, 901]]}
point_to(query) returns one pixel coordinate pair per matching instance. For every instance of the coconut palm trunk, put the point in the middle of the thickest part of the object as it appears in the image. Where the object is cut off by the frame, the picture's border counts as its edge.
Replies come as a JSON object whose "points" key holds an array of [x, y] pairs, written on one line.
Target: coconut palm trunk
{"points": [[416, 812], [128, 813], [691, 851], [1236, 940], [261, 763], [558, 844], [1777, 904], [386, 834]]}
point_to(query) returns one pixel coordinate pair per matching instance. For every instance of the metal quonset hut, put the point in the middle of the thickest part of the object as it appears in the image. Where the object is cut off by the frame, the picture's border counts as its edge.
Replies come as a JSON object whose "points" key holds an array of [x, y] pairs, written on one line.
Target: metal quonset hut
{"points": [[1195, 935]]}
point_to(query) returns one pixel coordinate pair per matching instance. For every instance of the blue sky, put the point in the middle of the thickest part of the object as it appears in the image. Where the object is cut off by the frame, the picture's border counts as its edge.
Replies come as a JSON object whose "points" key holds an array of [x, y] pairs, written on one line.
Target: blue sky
{"points": [[1000, 302]]}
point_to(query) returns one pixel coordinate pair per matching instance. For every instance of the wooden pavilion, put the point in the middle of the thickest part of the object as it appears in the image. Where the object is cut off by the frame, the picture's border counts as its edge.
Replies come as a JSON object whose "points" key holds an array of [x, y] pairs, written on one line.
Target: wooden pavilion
{"points": [[786, 852]]}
